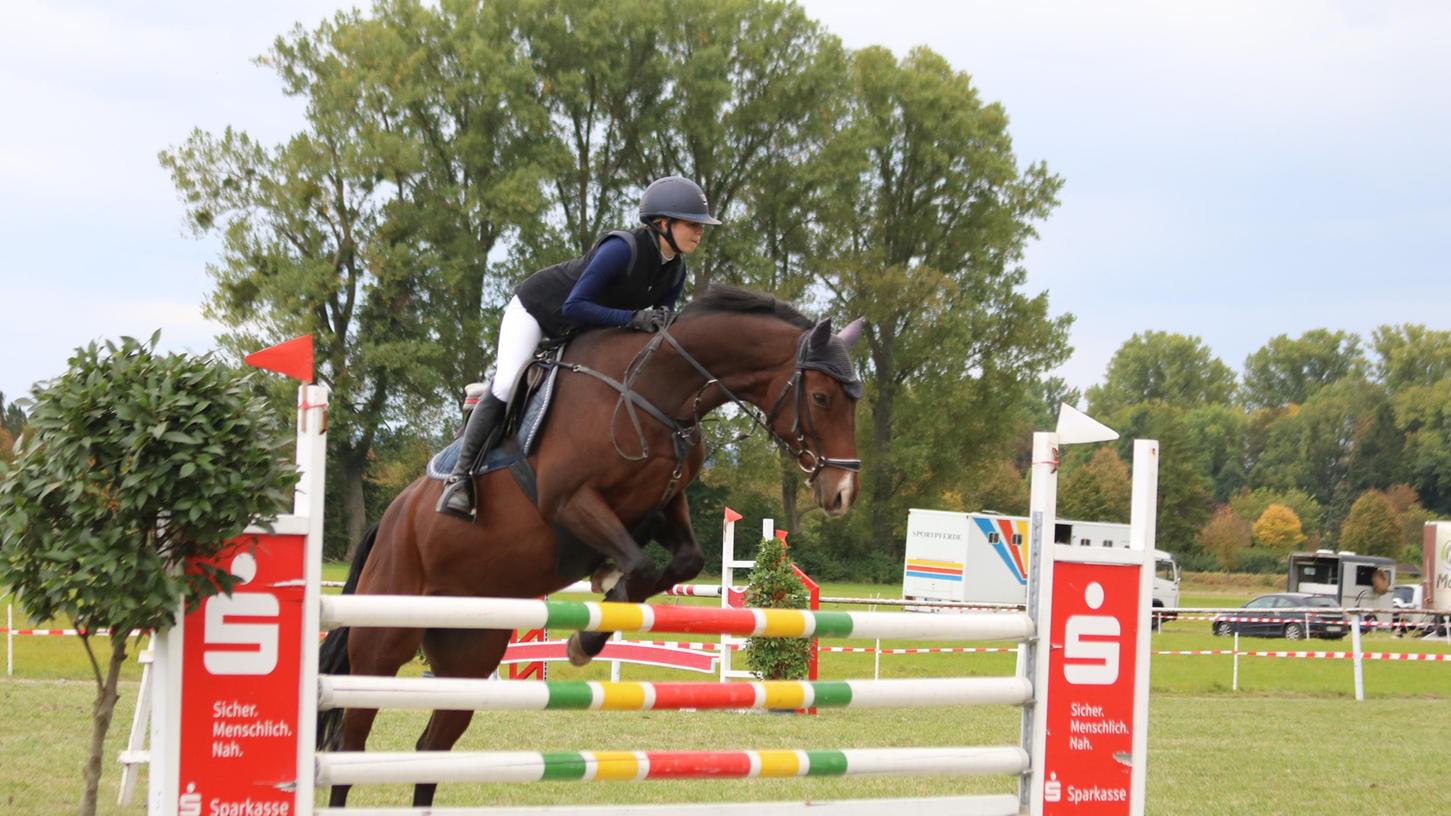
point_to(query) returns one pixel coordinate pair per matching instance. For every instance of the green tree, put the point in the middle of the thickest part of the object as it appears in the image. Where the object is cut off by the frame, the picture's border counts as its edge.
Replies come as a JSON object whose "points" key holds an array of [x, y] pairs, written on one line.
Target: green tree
{"points": [[1341, 442], [756, 91], [12, 417], [1372, 528], [1411, 355], [1097, 490], [1423, 416], [1000, 487], [1217, 438], [1286, 372], [1225, 536], [1278, 529], [135, 462], [372, 229], [939, 215], [600, 72], [12, 422], [1184, 502], [1156, 366], [1047, 397], [773, 585]]}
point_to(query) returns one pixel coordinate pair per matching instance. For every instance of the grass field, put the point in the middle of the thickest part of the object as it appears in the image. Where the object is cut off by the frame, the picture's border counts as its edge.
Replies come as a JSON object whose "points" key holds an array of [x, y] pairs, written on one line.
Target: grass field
{"points": [[1292, 740]]}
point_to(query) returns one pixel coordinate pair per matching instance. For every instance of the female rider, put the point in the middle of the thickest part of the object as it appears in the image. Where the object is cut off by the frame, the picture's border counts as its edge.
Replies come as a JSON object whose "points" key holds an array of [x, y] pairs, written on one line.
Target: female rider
{"points": [[631, 279]]}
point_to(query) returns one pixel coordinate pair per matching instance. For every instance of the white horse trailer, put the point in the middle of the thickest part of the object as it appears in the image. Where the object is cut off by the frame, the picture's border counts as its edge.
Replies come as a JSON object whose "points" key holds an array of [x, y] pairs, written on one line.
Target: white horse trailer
{"points": [[984, 557], [1352, 580]]}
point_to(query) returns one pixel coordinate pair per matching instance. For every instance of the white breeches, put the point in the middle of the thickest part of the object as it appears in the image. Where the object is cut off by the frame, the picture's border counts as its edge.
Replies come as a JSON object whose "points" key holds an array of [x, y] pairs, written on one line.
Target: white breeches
{"points": [[519, 336]]}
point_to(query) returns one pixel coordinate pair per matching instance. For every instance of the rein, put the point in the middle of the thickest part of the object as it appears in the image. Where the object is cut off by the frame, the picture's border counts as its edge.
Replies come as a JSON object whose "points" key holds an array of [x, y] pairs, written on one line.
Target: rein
{"points": [[686, 435]]}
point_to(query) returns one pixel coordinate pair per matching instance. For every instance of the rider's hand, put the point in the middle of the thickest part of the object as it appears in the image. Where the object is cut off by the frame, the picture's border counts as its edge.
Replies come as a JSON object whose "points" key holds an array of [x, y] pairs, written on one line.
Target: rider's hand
{"points": [[649, 320]]}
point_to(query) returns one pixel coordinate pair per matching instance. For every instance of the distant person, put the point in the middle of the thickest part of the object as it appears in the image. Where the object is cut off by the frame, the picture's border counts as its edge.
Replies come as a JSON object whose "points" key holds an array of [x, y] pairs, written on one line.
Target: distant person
{"points": [[628, 279]]}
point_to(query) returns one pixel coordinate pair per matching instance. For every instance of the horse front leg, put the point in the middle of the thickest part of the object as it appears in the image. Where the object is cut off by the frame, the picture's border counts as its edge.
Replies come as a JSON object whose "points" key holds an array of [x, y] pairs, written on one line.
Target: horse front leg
{"points": [[678, 538], [588, 517], [673, 532]]}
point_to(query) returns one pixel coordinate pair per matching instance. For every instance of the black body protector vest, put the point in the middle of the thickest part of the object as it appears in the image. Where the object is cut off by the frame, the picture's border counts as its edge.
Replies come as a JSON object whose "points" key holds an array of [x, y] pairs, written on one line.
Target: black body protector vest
{"points": [[647, 280]]}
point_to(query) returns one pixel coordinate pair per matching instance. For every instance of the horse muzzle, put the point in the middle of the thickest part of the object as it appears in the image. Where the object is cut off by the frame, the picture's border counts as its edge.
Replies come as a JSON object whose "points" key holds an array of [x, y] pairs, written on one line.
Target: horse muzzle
{"points": [[834, 491]]}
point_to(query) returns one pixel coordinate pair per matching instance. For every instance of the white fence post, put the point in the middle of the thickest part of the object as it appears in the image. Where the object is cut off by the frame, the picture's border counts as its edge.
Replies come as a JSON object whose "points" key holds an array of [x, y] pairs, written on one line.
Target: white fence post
{"points": [[1234, 686], [1355, 655]]}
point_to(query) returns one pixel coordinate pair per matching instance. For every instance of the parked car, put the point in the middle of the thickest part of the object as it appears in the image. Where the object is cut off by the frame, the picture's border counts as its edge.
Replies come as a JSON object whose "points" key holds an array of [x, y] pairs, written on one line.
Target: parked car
{"points": [[1283, 614]]}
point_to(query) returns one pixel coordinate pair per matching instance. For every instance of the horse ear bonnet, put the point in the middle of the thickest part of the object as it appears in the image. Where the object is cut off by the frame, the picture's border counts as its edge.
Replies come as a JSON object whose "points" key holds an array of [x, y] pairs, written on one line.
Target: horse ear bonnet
{"points": [[820, 350]]}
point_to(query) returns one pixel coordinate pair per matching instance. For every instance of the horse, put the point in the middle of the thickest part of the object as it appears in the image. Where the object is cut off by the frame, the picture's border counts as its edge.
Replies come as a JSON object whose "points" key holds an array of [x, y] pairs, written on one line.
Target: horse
{"points": [[605, 476]]}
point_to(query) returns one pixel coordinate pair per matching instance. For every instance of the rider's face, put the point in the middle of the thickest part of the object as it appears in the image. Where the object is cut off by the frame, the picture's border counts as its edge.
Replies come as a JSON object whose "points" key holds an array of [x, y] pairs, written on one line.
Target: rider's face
{"points": [[687, 234]]}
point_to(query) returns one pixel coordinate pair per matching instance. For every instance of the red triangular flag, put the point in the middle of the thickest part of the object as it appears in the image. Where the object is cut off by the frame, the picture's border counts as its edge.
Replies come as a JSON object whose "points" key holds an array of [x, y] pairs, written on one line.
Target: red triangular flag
{"points": [[731, 515], [293, 358]]}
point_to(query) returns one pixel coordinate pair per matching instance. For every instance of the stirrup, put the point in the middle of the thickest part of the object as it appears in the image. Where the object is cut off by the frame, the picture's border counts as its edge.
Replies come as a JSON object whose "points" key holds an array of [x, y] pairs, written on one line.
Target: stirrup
{"points": [[453, 487]]}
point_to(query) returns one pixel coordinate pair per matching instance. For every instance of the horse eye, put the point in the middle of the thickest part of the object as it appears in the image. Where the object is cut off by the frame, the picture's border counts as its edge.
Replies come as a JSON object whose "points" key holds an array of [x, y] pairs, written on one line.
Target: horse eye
{"points": [[820, 399]]}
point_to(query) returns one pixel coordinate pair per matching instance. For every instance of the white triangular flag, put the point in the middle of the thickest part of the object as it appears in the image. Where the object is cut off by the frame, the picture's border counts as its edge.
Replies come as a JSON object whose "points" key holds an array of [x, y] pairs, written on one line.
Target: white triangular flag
{"points": [[1076, 427]]}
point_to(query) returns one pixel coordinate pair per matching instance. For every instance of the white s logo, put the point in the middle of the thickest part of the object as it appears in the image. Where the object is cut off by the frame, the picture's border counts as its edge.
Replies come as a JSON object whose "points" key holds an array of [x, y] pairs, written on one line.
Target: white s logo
{"points": [[1099, 666], [261, 635], [189, 803]]}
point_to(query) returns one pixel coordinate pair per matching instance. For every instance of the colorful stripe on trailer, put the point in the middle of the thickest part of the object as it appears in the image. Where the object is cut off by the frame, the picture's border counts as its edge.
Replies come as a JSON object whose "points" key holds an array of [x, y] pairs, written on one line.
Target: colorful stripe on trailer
{"points": [[935, 570]]}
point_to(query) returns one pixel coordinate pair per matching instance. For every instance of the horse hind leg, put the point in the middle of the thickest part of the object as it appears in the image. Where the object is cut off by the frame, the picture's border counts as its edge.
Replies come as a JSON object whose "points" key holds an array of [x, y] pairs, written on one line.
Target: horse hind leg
{"points": [[469, 653], [357, 723], [371, 652]]}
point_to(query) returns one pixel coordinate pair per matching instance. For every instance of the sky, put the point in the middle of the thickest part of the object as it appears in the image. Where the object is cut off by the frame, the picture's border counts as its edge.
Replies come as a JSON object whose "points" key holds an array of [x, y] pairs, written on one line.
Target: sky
{"points": [[1232, 170]]}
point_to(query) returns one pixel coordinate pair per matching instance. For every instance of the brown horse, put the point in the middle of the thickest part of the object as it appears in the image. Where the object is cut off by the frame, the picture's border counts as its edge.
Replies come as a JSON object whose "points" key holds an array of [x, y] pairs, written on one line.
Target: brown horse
{"points": [[595, 486]]}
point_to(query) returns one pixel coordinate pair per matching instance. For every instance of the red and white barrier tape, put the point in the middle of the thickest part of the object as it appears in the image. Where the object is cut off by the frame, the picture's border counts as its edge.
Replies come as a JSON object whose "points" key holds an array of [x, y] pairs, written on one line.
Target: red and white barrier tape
{"points": [[1296, 617], [69, 632]]}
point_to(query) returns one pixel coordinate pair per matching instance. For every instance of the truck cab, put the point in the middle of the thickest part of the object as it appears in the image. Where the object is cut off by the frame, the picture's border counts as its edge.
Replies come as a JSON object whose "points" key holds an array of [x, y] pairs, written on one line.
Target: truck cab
{"points": [[1166, 585]]}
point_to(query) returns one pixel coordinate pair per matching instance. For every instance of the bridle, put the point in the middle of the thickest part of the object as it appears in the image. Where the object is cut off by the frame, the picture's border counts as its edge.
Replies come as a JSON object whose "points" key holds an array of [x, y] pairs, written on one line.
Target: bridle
{"points": [[686, 433], [801, 426]]}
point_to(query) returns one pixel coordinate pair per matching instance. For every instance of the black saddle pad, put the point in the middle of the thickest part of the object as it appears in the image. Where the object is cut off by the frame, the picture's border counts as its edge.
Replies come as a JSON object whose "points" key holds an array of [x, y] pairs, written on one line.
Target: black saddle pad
{"points": [[501, 456]]}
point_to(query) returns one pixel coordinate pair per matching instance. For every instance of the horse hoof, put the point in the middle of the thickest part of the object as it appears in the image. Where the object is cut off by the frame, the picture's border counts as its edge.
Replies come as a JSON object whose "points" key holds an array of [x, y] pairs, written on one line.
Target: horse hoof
{"points": [[605, 579], [576, 653]]}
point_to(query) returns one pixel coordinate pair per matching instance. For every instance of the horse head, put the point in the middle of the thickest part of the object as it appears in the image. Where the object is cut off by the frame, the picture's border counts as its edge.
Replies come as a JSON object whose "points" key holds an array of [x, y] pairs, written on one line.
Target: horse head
{"points": [[821, 431]]}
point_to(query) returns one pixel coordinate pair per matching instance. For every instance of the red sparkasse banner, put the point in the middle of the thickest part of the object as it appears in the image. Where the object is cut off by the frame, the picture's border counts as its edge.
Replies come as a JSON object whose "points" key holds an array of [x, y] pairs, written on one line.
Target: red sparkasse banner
{"points": [[1091, 688], [240, 683]]}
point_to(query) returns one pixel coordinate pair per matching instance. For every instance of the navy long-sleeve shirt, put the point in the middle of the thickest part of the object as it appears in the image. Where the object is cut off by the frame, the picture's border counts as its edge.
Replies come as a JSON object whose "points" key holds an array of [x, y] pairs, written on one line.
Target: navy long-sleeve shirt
{"points": [[611, 261]]}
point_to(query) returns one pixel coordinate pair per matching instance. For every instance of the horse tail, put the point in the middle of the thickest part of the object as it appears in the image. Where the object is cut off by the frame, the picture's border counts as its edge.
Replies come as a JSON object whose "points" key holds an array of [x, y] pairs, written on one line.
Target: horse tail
{"points": [[332, 656]]}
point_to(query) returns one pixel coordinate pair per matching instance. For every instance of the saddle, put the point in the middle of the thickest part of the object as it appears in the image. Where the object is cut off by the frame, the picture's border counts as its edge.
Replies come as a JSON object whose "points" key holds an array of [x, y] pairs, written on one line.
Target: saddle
{"points": [[523, 418]]}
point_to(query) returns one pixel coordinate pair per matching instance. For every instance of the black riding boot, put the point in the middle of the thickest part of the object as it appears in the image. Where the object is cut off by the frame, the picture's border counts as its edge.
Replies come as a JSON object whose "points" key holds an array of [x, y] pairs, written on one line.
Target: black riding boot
{"points": [[458, 489]]}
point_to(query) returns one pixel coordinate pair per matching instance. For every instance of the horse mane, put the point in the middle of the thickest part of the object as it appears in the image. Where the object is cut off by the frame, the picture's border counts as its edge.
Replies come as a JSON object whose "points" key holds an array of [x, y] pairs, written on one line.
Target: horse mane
{"points": [[718, 298]]}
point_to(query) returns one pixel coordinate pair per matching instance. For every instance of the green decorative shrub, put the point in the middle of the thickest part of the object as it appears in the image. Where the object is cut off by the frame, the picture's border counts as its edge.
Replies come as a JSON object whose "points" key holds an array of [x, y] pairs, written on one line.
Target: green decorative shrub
{"points": [[774, 586], [133, 461]]}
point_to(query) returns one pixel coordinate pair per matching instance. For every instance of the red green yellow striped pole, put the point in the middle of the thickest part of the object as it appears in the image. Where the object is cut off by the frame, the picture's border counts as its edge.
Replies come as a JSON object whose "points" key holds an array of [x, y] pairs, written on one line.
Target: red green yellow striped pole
{"points": [[484, 695], [425, 767], [514, 613]]}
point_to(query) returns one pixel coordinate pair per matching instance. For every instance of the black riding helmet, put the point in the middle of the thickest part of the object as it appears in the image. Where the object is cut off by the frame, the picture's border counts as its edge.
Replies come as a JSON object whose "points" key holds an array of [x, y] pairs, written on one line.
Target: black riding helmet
{"points": [[675, 197]]}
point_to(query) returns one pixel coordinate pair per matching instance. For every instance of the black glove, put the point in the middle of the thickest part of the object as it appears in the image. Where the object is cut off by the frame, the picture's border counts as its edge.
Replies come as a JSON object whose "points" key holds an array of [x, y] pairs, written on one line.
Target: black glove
{"points": [[649, 320]]}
